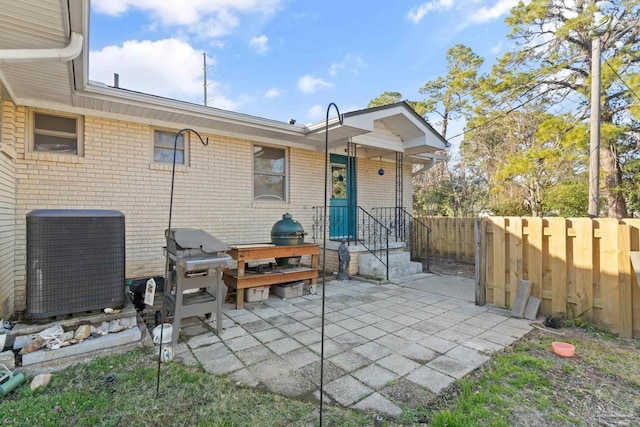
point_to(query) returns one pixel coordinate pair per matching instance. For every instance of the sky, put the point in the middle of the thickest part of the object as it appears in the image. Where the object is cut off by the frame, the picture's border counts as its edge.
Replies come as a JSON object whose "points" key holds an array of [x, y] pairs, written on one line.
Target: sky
{"points": [[288, 59]]}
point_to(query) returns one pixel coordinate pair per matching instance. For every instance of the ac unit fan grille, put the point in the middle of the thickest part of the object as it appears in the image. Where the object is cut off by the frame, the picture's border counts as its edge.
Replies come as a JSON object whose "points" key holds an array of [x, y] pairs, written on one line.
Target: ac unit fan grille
{"points": [[75, 263]]}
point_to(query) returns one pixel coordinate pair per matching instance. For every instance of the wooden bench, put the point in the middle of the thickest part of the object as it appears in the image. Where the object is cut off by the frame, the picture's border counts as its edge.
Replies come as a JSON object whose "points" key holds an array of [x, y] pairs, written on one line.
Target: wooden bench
{"points": [[239, 280]]}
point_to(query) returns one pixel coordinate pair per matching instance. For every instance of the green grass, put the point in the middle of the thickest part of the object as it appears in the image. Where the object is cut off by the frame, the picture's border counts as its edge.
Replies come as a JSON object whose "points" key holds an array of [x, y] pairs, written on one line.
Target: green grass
{"points": [[121, 390], [529, 383], [526, 384]]}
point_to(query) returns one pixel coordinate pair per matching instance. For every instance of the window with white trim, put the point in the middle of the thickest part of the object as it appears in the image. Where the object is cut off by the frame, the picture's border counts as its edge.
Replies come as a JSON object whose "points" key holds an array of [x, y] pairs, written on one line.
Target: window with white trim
{"points": [[57, 133], [163, 144], [269, 173]]}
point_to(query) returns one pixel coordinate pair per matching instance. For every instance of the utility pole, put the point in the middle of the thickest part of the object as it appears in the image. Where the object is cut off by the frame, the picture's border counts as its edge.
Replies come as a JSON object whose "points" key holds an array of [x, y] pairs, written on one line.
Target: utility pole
{"points": [[204, 58], [594, 142]]}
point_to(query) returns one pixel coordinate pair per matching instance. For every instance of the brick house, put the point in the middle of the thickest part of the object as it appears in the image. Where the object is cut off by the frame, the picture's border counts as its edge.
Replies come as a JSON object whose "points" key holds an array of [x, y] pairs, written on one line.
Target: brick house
{"points": [[68, 143]]}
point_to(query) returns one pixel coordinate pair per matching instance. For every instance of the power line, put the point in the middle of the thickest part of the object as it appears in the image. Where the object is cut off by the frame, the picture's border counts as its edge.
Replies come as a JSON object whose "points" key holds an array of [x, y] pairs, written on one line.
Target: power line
{"points": [[622, 80], [506, 113], [529, 100]]}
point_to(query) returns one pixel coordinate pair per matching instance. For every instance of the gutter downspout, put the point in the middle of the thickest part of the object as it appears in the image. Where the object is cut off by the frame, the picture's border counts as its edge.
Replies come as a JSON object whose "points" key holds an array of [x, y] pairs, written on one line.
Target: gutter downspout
{"points": [[425, 167], [65, 54]]}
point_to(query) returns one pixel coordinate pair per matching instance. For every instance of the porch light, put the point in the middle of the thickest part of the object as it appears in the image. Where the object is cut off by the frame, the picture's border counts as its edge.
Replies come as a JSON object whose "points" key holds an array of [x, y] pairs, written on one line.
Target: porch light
{"points": [[380, 171]]}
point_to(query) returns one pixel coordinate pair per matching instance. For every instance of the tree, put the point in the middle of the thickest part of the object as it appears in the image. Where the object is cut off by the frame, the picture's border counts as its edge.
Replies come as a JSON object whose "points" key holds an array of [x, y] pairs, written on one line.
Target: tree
{"points": [[552, 60], [449, 96], [523, 155], [387, 98]]}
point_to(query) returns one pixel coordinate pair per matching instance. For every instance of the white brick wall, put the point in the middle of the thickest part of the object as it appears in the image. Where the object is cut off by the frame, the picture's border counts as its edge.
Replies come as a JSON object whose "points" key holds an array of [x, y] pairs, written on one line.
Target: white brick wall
{"points": [[375, 190], [7, 209], [214, 193]]}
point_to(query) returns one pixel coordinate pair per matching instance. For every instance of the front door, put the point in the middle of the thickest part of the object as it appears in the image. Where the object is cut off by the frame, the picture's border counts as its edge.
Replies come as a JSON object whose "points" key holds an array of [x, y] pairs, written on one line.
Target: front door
{"points": [[342, 206]]}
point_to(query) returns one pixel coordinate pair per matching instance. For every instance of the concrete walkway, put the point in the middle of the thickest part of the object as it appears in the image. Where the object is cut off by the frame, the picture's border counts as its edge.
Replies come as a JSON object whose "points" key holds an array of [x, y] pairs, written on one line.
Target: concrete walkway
{"points": [[385, 345]]}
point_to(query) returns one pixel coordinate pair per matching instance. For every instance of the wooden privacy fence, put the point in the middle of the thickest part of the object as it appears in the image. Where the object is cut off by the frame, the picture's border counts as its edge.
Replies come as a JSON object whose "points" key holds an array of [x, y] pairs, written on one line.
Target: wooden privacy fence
{"points": [[579, 268], [451, 238]]}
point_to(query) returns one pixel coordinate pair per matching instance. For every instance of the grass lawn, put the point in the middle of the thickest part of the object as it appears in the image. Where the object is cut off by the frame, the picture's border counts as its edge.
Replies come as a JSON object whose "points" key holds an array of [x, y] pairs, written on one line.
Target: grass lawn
{"points": [[525, 385]]}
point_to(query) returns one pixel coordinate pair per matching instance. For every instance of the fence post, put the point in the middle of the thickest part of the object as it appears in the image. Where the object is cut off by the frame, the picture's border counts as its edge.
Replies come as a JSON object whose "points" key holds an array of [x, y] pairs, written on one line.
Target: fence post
{"points": [[625, 320], [480, 259]]}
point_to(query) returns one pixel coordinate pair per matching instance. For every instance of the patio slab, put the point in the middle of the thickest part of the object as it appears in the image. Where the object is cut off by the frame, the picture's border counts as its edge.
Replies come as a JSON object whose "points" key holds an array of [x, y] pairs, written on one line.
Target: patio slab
{"points": [[384, 345]]}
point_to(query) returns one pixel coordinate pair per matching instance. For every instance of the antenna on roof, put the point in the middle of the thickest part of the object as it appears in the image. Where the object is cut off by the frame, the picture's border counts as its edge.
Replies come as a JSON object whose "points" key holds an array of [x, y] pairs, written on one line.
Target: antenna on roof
{"points": [[204, 68]]}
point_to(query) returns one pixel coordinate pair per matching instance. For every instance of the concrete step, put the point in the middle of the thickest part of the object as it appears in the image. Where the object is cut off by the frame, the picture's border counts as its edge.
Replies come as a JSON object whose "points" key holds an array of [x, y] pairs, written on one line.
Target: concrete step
{"points": [[400, 265]]}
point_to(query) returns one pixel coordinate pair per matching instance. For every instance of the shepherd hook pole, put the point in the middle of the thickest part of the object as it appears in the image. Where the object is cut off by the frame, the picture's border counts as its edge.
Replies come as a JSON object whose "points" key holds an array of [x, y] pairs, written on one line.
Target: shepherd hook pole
{"points": [[166, 265], [324, 244]]}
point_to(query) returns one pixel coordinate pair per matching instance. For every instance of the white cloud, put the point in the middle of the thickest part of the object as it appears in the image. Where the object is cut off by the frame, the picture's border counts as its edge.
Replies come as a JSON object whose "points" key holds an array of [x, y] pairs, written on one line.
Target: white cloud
{"points": [[417, 13], [352, 63], [260, 43], [273, 93], [316, 113], [110, 7], [497, 48], [485, 14], [311, 84], [213, 18], [143, 66], [335, 68]]}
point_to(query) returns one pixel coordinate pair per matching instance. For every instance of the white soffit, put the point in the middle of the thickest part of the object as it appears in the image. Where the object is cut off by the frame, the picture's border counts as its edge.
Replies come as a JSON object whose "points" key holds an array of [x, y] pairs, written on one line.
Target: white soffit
{"points": [[395, 128], [35, 25]]}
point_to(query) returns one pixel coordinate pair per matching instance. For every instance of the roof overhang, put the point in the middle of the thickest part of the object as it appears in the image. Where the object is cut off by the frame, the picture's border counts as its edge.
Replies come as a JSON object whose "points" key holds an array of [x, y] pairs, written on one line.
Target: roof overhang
{"points": [[60, 82], [382, 131]]}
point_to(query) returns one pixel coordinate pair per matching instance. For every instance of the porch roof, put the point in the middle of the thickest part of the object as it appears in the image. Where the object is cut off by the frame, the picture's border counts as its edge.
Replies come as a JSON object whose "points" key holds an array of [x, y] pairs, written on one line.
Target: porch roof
{"points": [[54, 38]]}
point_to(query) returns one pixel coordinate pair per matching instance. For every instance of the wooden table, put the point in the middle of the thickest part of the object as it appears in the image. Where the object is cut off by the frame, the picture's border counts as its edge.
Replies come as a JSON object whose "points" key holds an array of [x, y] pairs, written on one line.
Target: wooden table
{"points": [[238, 278]]}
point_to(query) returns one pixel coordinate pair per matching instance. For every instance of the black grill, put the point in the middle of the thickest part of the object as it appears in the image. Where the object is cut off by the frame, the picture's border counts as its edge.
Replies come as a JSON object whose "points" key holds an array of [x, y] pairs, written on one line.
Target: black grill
{"points": [[75, 261]]}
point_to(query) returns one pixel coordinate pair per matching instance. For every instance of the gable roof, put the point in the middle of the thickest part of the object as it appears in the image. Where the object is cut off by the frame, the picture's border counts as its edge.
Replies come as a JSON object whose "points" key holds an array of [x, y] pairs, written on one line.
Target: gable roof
{"points": [[419, 121], [40, 67]]}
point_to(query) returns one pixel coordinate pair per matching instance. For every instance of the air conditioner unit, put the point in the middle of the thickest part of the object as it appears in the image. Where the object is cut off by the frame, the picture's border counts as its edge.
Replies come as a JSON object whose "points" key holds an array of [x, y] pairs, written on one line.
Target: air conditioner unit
{"points": [[75, 261]]}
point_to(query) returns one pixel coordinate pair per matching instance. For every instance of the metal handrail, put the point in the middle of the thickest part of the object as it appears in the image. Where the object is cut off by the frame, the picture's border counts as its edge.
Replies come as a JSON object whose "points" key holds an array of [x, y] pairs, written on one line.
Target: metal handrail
{"points": [[408, 229], [359, 228]]}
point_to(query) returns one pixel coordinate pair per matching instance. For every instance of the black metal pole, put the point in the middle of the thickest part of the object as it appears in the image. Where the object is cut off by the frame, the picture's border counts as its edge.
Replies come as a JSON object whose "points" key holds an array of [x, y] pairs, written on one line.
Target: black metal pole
{"points": [[166, 265], [324, 245]]}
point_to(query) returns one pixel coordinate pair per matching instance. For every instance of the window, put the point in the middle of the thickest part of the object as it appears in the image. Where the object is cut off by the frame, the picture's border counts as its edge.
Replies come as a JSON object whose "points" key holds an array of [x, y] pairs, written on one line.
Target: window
{"points": [[163, 142], [56, 134], [338, 181], [269, 173]]}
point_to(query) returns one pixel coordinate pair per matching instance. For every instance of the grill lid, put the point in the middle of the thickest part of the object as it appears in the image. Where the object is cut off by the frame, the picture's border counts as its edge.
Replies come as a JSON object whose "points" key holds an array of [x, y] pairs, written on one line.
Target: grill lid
{"points": [[187, 238]]}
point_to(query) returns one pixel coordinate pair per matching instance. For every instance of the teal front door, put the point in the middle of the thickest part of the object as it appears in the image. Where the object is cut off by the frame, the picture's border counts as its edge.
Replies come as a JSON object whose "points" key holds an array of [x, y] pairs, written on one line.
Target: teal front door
{"points": [[342, 206]]}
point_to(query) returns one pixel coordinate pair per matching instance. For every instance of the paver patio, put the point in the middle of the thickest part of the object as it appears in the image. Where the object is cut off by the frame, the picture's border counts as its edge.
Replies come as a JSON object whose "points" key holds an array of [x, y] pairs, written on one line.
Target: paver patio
{"points": [[422, 332]]}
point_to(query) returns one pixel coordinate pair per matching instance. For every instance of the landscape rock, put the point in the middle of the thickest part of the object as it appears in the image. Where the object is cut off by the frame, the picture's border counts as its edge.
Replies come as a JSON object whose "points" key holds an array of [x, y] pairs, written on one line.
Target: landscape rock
{"points": [[67, 336], [115, 326], [8, 359], [40, 380], [129, 322], [82, 332], [103, 329], [21, 341], [36, 344]]}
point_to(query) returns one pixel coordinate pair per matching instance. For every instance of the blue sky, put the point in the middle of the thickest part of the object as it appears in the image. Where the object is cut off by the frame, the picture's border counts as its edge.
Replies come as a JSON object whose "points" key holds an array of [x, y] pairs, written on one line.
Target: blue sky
{"points": [[283, 59]]}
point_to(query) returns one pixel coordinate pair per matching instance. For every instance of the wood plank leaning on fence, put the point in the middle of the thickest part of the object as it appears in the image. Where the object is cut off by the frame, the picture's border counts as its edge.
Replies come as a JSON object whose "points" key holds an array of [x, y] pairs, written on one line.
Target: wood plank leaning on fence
{"points": [[578, 267]]}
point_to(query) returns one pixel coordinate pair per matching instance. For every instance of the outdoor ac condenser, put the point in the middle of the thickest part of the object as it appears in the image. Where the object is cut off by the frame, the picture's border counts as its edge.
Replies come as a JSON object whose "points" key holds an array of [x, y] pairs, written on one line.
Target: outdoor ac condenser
{"points": [[75, 261]]}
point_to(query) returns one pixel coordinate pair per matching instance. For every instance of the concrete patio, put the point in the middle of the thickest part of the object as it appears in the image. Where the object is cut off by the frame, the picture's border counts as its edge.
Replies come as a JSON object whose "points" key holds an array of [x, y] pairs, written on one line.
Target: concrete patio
{"points": [[385, 346]]}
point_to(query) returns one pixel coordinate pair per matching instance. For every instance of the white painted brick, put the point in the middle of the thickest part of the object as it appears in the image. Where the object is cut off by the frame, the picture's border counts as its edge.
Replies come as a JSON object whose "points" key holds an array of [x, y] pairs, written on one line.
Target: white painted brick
{"points": [[213, 193]]}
